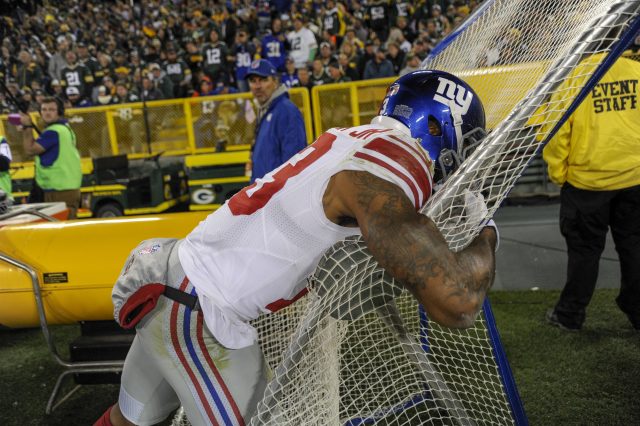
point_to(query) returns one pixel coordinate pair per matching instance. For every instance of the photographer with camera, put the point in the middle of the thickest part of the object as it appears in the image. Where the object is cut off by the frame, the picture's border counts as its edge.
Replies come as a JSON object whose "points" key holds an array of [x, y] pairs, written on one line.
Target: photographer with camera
{"points": [[57, 161]]}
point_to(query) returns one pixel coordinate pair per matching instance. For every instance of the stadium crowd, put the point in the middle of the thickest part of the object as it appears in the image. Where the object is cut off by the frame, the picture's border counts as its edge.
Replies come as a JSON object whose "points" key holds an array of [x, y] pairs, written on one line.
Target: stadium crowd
{"points": [[99, 53]]}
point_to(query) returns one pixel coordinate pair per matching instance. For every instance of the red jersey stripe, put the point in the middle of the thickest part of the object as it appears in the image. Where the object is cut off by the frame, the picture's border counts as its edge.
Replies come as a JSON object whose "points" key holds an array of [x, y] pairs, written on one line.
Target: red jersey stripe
{"points": [[379, 162], [419, 152], [405, 159]]}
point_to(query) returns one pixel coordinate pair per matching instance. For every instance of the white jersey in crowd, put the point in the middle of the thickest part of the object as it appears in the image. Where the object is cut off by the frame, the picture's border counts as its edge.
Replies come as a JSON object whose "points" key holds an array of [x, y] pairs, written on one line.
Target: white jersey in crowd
{"points": [[254, 254], [301, 43], [5, 149]]}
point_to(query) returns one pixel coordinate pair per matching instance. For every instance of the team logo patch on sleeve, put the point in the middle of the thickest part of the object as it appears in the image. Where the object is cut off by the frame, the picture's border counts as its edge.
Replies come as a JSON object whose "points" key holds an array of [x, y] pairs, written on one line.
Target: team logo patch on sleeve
{"points": [[407, 166], [149, 249]]}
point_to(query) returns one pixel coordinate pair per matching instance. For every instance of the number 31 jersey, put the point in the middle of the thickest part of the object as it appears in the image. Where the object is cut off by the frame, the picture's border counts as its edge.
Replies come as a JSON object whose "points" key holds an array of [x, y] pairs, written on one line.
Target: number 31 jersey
{"points": [[253, 254]]}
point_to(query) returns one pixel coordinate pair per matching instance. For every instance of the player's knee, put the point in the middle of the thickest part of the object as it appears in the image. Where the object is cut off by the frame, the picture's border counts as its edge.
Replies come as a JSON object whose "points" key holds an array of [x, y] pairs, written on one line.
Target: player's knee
{"points": [[113, 417]]}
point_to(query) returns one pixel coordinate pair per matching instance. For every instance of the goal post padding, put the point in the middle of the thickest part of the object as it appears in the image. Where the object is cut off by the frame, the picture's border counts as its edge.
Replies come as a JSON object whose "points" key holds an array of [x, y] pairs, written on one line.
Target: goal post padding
{"points": [[358, 349]]}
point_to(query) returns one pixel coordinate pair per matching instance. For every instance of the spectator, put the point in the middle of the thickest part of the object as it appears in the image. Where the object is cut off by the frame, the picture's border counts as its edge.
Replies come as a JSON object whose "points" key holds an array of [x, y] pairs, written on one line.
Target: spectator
{"points": [[280, 131], [336, 75], [56, 89], [149, 91], [243, 53], [318, 73], [179, 73], [59, 59], [137, 66], [27, 70], [110, 85], [206, 88], [273, 46], [121, 68], [396, 56], [351, 39], [123, 95], [105, 68], [402, 23], [379, 66], [204, 126], [75, 98], [413, 64], [57, 164], [103, 96], [333, 22], [368, 54], [161, 81], [290, 76], [420, 49], [378, 18], [77, 75], [397, 37], [223, 89], [85, 58], [430, 33], [443, 26], [29, 101], [304, 78], [595, 158], [193, 57], [215, 54], [131, 131], [5, 164], [303, 43], [326, 54], [349, 68], [38, 97]]}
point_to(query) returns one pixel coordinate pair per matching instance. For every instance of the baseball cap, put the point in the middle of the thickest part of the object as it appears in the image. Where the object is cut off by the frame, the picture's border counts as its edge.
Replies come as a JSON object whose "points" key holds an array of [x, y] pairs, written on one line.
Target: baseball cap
{"points": [[72, 90], [261, 67], [325, 44]]}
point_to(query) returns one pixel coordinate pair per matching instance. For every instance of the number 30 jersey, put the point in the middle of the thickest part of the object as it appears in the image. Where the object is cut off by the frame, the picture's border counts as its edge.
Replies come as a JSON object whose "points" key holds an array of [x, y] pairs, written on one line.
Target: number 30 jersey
{"points": [[253, 254]]}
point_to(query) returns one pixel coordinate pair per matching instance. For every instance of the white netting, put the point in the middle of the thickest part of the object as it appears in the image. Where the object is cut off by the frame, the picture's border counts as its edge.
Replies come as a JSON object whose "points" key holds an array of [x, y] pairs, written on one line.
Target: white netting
{"points": [[360, 354], [355, 351], [542, 53]]}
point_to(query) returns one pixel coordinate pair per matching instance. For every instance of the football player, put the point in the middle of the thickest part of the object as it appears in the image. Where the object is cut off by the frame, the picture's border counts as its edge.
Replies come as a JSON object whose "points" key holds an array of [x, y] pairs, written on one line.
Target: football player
{"points": [[191, 300]]}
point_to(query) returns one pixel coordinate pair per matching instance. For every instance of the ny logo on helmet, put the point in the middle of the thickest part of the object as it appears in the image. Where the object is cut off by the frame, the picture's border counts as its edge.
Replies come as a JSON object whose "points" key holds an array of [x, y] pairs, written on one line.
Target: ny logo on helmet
{"points": [[453, 95]]}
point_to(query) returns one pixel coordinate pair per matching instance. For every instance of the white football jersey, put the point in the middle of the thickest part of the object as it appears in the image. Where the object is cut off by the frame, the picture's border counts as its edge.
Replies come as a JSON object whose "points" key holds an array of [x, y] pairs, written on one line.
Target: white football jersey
{"points": [[301, 42], [254, 254]]}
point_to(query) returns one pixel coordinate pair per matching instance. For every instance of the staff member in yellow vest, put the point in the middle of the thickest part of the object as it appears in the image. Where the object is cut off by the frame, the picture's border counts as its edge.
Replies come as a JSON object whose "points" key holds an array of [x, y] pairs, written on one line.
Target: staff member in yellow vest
{"points": [[595, 157], [5, 163], [57, 161]]}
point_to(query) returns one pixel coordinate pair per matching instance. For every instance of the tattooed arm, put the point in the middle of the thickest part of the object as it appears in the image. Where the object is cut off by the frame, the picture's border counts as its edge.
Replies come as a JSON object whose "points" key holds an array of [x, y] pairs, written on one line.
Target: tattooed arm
{"points": [[451, 286]]}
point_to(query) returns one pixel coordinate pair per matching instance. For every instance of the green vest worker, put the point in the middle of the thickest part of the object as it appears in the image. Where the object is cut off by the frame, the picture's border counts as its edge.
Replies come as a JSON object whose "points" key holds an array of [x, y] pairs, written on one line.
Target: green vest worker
{"points": [[57, 162], [5, 162]]}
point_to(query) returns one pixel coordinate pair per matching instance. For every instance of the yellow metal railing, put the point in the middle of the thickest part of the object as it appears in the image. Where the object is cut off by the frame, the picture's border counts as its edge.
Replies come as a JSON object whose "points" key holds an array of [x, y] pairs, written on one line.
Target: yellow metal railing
{"points": [[196, 125], [347, 104], [173, 127]]}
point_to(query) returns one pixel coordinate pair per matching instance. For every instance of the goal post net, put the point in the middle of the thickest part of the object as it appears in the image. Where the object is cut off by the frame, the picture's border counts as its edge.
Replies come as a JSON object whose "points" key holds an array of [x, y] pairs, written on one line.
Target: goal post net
{"points": [[358, 349], [543, 58]]}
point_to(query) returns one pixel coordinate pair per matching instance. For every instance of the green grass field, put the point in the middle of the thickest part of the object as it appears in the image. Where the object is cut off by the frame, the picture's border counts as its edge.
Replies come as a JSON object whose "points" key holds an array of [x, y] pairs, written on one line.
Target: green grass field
{"points": [[586, 378]]}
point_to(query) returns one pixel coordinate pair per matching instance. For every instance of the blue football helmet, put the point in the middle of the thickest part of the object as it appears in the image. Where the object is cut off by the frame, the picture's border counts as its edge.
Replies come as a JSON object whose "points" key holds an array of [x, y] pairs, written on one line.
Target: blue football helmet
{"points": [[437, 99]]}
